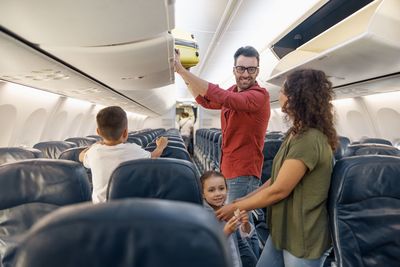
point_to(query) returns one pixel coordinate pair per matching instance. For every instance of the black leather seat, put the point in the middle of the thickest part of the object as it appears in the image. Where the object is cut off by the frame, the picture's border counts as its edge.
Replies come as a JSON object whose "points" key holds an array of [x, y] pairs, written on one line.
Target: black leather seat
{"points": [[131, 232], [371, 149], [270, 149], [171, 179], [342, 147], [375, 141], [30, 189], [173, 152], [364, 211], [13, 154], [82, 141], [53, 149], [73, 154]]}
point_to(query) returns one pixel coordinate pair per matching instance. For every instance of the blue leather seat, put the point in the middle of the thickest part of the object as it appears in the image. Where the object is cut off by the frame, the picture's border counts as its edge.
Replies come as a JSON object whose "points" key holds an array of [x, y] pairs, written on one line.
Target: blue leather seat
{"points": [[375, 141], [171, 179], [342, 147], [173, 152], [30, 189], [13, 154], [53, 149], [270, 149], [73, 154], [130, 232], [370, 149], [82, 141], [364, 211]]}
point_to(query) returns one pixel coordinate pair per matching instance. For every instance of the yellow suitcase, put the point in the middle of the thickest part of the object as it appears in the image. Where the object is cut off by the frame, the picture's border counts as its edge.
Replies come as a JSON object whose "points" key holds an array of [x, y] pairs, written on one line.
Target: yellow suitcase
{"points": [[188, 48]]}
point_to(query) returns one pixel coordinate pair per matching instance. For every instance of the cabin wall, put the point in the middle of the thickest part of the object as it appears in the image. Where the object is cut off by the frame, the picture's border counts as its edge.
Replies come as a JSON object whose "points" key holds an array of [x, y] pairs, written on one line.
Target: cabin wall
{"points": [[375, 115], [29, 116]]}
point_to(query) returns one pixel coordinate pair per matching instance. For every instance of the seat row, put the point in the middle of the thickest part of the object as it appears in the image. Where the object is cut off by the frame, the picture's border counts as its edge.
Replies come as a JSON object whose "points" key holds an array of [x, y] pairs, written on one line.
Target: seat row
{"points": [[363, 206], [30, 189]]}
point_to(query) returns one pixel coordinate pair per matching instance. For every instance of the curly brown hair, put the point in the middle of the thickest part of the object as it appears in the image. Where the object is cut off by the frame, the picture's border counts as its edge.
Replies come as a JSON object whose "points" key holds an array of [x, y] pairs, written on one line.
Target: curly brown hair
{"points": [[309, 103]]}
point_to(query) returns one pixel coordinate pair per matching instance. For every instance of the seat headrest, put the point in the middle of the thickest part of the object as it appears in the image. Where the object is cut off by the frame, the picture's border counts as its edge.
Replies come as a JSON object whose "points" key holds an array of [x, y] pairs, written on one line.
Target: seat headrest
{"points": [[132, 232], [375, 141], [163, 178], [82, 141], [58, 182], [271, 147], [342, 147], [52, 149], [72, 153], [368, 149], [12, 154], [173, 152], [364, 210]]}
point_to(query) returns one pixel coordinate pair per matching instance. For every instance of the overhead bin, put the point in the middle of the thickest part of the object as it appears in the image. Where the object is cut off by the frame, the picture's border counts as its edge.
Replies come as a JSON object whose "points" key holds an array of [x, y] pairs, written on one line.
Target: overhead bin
{"points": [[363, 46], [89, 23], [105, 48]]}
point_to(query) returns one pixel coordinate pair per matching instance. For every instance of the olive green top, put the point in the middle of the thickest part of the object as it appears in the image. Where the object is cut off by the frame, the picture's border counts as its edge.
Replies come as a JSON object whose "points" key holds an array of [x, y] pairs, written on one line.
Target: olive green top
{"points": [[299, 223]]}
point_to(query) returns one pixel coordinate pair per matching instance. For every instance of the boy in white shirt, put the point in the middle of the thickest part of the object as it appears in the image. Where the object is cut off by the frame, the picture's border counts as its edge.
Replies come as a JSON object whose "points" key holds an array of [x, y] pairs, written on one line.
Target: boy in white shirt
{"points": [[104, 157]]}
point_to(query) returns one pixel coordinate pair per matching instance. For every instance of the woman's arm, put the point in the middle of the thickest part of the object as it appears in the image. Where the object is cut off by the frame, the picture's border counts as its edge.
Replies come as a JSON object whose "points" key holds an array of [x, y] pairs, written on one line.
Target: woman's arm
{"points": [[290, 174]]}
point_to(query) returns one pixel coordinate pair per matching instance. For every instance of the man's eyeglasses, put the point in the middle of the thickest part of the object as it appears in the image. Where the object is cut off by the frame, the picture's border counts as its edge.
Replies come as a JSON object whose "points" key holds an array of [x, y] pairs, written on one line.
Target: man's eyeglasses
{"points": [[250, 70]]}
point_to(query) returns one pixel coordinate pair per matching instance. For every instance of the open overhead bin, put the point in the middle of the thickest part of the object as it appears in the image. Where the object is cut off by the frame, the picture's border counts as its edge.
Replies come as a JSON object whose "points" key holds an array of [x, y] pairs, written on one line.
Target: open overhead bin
{"points": [[363, 46]]}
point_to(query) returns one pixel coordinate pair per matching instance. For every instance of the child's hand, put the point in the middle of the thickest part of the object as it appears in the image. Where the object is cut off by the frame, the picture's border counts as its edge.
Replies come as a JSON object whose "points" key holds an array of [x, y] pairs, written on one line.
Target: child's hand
{"points": [[231, 225], [162, 142], [244, 220]]}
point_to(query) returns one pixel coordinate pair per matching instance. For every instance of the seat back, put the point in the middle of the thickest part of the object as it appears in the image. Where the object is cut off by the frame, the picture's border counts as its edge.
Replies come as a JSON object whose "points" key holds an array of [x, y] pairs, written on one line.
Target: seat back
{"points": [[53, 149], [364, 211], [370, 149], [375, 141], [131, 232], [73, 154], [342, 147], [82, 141], [173, 152], [270, 149], [163, 178], [30, 189], [13, 154]]}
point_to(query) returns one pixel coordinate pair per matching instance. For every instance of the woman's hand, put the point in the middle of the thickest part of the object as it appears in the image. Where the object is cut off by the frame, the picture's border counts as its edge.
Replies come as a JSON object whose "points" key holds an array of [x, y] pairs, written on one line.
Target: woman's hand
{"points": [[226, 212]]}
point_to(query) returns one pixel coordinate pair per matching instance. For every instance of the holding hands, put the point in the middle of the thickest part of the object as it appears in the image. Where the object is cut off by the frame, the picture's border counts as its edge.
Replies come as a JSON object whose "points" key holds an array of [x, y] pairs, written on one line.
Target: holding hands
{"points": [[239, 219]]}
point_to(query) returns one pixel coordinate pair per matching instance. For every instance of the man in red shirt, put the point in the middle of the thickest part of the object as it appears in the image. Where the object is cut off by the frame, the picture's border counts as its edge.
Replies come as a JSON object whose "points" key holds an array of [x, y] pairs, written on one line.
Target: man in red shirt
{"points": [[245, 111]]}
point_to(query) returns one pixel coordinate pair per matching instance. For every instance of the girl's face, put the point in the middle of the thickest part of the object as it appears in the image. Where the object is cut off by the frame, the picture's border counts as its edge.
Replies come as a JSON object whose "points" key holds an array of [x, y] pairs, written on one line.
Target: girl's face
{"points": [[214, 191]]}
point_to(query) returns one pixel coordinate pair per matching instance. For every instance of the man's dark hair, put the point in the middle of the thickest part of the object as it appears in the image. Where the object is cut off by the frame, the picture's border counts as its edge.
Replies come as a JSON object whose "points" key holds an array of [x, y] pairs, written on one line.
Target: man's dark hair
{"points": [[247, 51], [112, 121]]}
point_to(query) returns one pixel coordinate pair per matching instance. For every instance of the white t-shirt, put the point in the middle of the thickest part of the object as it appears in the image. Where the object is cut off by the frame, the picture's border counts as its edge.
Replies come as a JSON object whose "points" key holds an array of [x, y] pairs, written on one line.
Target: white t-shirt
{"points": [[103, 160], [185, 125]]}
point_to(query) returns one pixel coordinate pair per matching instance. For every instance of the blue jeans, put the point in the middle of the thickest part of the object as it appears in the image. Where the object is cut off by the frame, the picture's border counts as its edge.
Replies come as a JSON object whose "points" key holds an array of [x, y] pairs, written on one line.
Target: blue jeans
{"points": [[239, 187], [271, 257]]}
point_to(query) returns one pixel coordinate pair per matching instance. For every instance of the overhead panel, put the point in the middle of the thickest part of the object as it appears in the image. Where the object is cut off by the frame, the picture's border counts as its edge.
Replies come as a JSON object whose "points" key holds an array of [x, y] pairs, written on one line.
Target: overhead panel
{"points": [[24, 65], [132, 66], [123, 45], [364, 46], [87, 23]]}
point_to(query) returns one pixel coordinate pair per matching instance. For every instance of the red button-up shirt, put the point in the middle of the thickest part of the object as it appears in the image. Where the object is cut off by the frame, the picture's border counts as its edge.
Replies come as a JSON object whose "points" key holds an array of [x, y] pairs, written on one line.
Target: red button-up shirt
{"points": [[244, 121]]}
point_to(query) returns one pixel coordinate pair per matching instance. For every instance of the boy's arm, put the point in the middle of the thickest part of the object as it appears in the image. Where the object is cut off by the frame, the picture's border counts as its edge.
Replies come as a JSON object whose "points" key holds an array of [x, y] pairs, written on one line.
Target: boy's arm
{"points": [[162, 143], [83, 153]]}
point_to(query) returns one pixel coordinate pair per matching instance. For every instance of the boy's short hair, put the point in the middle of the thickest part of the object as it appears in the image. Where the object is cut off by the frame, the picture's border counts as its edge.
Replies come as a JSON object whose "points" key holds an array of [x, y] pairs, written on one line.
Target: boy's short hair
{"points": [[111, 122]]}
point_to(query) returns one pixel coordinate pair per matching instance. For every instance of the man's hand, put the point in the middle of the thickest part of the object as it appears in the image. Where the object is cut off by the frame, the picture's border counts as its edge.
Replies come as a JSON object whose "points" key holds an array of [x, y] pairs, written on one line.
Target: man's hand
{"points": [[177, 61]]}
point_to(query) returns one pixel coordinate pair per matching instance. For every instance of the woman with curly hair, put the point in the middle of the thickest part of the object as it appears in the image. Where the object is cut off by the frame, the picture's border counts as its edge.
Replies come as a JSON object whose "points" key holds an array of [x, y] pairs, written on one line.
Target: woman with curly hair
{"points": [[298, 189]]}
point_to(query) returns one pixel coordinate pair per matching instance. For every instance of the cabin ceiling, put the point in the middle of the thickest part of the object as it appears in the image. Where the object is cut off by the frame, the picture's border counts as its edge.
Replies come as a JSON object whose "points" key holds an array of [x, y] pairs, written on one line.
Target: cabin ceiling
{"points": [[122, 54]]}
